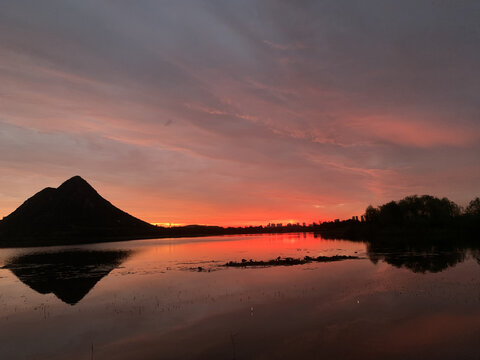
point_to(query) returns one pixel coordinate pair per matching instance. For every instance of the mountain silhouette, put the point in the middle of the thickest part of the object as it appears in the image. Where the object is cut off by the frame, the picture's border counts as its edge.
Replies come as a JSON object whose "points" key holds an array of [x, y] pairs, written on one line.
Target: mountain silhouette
{"points": [[70, 275], [72, 213]]}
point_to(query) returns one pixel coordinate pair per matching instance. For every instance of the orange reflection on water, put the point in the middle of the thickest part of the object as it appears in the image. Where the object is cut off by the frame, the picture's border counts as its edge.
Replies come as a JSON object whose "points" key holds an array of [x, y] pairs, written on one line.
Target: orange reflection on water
{"points": [[235, 248], [153, 305]]}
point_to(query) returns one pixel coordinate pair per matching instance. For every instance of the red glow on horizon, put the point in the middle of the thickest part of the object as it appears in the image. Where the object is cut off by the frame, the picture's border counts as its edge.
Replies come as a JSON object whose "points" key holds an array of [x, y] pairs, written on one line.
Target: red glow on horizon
{"points": [[193, 119]]}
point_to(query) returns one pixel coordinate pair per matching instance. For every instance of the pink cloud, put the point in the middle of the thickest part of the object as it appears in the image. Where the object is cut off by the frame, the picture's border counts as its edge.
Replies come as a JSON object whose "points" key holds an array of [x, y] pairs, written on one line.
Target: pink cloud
{"points": [[416, 133]]}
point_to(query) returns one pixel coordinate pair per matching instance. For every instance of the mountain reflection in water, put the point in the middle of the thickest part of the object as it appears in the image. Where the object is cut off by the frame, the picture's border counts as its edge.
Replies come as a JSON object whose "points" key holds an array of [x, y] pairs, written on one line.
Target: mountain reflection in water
{"points": [[70, 275]]}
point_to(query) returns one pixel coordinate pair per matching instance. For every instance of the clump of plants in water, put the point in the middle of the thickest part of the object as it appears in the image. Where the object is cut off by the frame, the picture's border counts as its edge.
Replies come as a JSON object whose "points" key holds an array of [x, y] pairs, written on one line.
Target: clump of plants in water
{"points": [[288, 261]]}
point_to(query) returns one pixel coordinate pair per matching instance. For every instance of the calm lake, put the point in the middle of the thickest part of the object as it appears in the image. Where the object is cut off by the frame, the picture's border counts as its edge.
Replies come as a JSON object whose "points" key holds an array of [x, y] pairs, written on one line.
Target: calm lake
{"points": [[147, 299]]}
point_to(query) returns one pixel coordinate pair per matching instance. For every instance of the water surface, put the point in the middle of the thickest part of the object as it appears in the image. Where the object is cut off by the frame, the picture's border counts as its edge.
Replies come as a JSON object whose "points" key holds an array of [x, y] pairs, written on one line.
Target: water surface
{"points": [[146, 299]]}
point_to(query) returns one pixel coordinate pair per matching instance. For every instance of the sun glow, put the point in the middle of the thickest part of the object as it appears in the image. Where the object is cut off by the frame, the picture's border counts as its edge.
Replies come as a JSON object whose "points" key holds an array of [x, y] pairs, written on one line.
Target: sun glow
{"points": [[166, 224]]}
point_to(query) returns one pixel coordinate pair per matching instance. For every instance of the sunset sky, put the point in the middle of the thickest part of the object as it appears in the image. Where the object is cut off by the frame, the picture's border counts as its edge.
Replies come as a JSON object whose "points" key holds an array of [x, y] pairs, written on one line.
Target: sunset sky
{"points": [[241, 112]]}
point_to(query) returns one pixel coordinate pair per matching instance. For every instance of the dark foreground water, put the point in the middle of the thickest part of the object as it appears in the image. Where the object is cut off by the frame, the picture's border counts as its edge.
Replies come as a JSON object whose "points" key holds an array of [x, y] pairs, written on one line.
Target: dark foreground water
{"points": [[148, 300]]}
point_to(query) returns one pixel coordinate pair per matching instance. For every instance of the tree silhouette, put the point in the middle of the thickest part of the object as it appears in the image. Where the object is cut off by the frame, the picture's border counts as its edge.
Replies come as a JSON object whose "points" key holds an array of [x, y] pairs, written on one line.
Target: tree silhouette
{"points": [[414, 210], [371, 214], [473, 208]]}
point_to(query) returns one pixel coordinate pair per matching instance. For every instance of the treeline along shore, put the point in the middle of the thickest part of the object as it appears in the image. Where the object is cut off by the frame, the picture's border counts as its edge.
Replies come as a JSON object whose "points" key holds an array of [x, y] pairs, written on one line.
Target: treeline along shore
{"points": [[426, 217]]}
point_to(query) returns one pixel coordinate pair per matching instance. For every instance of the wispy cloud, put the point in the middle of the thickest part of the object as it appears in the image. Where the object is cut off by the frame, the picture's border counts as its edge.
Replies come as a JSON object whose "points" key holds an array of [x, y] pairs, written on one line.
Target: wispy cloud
{"points": [[283, 47], [203, 112]]}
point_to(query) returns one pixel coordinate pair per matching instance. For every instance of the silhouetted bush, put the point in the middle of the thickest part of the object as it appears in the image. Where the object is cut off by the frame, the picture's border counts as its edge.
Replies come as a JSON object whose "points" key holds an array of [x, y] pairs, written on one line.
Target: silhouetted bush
{"points": [[422, 210]]}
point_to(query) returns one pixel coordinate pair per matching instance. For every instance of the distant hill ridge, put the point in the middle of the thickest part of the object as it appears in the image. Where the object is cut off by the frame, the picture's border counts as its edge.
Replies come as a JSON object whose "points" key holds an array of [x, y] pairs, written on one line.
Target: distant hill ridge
{"points": [[74, 213], [73, 210]]}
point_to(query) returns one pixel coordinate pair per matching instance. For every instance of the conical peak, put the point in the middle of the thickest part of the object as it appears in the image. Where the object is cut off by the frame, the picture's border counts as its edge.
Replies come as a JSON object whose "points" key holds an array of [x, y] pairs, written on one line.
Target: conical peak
{"points": [[73, 210], [76, 183], [75, 180]]}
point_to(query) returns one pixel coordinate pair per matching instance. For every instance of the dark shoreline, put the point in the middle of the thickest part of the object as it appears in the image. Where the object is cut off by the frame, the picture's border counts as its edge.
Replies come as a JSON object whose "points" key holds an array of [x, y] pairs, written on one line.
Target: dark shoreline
{"points": [[161, 233], [346, 230]]}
